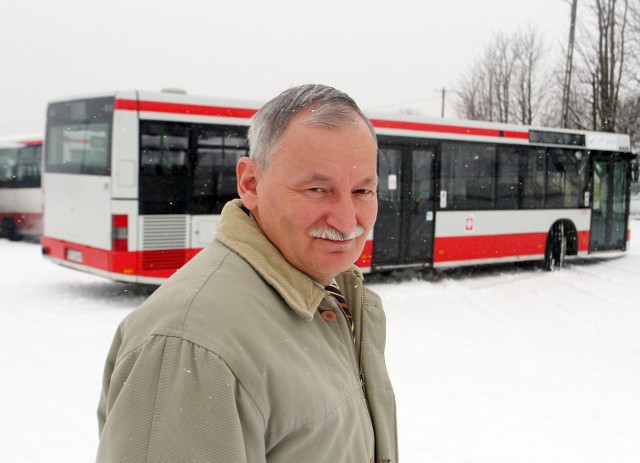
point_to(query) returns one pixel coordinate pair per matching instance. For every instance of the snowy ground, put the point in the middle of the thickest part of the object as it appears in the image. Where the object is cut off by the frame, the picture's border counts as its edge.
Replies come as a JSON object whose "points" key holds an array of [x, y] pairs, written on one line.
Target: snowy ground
{"points": [[506, 364]]}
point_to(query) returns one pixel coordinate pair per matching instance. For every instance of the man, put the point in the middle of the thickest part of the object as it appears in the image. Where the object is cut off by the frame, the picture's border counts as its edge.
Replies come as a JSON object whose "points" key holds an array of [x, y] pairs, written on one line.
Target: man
{"points": [[243, 355]]}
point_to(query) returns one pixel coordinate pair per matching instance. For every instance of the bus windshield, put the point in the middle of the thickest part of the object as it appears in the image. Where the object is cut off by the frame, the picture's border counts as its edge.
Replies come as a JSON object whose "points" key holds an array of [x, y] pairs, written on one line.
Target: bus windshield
{"points": [[78, 137]]}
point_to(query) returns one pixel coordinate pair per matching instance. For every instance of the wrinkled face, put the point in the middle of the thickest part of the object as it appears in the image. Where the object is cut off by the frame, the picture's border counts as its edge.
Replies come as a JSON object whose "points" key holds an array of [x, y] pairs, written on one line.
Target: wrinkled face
{"points": [[317, 201]]}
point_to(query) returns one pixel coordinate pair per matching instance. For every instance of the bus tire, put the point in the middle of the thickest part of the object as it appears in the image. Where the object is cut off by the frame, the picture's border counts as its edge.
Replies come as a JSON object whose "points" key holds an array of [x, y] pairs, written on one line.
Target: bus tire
{"points": [[10, 229], [556, 249]]}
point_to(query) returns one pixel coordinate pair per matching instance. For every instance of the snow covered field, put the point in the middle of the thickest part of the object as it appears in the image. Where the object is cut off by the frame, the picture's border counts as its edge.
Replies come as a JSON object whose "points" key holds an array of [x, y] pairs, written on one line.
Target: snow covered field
{"points": [[507, 364]]}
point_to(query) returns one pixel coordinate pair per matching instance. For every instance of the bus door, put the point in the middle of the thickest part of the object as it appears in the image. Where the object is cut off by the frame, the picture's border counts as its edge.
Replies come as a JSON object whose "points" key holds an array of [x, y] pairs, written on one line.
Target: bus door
{"points": [[610, 203], [403, 234]]}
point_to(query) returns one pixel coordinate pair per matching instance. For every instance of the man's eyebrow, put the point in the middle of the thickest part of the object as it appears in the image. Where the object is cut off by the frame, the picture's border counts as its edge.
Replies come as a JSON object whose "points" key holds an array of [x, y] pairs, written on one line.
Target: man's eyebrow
{"points": [[320, 178], [373, 180]]}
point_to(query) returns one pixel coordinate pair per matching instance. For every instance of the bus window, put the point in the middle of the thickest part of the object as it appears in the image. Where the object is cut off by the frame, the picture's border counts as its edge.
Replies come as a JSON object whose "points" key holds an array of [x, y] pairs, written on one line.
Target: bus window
{"points": [[534, 168], [8, 161], [164, 153], [163, 167], [28, 168], [468, 175], [508, 178], [214, 174], [619, 204], [78, 137], [567, 178]]}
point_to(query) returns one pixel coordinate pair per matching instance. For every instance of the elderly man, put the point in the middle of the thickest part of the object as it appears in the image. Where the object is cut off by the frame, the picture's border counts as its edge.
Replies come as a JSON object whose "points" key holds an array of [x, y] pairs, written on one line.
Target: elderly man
{"points": [[266, 347]]}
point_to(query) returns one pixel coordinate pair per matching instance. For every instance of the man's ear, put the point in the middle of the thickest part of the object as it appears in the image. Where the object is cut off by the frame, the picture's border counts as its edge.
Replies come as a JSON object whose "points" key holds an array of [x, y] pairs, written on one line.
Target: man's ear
{"points": [[247, 173]]}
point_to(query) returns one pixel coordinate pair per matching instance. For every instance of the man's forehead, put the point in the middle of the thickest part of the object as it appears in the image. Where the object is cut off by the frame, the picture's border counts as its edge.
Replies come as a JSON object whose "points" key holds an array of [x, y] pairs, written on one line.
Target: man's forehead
{"points": [[343, 121]]}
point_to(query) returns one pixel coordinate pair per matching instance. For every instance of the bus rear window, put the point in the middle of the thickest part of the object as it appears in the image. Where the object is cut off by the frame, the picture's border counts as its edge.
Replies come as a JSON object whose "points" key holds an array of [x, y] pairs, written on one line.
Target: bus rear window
{"points": [[20, 167], [78, 137]]}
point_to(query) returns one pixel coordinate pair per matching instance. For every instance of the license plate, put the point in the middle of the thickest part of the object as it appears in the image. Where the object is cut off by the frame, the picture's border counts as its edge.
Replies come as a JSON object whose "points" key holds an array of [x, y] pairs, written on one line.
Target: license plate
{"points": [[74, 255]]}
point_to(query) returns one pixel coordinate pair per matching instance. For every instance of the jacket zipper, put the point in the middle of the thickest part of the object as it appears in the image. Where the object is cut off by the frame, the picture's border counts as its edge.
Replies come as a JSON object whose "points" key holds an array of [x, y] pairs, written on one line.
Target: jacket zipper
{"points": [[357, 352], [360, 359], [355, 348]]}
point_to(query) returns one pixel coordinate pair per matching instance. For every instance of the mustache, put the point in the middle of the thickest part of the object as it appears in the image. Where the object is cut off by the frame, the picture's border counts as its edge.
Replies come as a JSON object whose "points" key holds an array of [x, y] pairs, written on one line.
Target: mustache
{"points": [[330, 233]]}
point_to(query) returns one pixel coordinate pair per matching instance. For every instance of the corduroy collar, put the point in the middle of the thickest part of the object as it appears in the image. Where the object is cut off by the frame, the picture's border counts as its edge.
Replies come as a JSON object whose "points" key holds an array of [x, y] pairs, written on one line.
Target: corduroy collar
{"points": [[243, 236]]}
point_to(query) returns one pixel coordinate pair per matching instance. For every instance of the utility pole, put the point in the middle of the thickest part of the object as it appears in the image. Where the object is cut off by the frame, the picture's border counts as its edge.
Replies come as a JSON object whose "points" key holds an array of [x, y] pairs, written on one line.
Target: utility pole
{"points": [[442, 111], [566, 88]]}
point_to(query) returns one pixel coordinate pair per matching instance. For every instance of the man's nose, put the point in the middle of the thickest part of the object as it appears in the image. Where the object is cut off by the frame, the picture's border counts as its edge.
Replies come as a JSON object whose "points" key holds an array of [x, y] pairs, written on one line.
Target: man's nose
{"points": [[342, 215]]}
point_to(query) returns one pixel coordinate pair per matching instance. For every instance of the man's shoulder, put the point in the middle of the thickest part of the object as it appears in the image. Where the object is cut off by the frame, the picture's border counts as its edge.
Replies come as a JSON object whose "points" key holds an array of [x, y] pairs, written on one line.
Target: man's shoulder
{"points": [[194, 302]]}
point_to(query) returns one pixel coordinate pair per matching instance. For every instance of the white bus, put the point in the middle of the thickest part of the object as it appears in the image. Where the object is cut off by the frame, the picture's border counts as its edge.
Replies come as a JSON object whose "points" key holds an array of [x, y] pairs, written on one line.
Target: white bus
{"points": [[134, 183], [20, 192]]}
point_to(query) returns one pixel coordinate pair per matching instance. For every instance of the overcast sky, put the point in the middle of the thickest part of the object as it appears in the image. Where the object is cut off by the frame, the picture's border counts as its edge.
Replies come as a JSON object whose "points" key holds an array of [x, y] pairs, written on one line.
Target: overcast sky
{"points": [[386, 54]]}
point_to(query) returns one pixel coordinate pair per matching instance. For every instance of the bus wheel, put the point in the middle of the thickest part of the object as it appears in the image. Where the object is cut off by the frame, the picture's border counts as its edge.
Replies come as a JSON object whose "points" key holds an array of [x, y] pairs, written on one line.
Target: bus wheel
{"points": [[10, 229], [556, 250]]}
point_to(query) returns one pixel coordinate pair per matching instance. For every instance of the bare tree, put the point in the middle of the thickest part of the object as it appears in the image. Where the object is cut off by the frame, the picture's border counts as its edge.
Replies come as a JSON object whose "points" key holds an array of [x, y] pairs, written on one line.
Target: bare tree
{"points": [[503, 84], [474, 97], [611, 54], [602, 64], [504, 59], [566, 86], [634, 42], [527, 93], [596, 87], [629, 118]]}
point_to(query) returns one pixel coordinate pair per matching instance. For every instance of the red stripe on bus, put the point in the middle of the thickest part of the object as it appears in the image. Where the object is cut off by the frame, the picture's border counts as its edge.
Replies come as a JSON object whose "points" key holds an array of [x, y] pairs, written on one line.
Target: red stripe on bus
{"points": [[132, 263], [30, 142], [446, 249], [181, 108], [126, 105], [461, 248], [127, 263], [244, 113], [583, 240], [515, 134], [367, 255], [441, 128]]}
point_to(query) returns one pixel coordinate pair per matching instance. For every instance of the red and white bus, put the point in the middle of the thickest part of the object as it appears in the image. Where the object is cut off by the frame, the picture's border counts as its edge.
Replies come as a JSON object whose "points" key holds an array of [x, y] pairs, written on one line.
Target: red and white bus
{"points": [[20, 192], [134, 183]]}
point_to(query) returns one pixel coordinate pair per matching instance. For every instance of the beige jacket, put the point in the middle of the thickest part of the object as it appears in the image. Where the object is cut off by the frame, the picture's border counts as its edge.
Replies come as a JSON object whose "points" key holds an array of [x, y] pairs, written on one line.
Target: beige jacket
{"points": [[230, 361]]}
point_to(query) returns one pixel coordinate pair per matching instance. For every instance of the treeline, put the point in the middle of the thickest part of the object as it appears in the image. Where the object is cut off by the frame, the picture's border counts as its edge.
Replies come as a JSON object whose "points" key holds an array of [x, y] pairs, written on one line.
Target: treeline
{"points": [[591, 82]]}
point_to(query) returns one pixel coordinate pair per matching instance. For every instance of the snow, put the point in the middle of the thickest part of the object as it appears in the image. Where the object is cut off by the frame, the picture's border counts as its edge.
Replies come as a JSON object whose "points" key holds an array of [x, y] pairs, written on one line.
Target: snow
{"points": [[502, 364]]}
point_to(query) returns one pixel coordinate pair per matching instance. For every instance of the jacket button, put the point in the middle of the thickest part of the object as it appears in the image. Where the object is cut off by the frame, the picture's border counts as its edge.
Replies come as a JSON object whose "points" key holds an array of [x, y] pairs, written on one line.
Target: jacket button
{"points": [[328, 316]]}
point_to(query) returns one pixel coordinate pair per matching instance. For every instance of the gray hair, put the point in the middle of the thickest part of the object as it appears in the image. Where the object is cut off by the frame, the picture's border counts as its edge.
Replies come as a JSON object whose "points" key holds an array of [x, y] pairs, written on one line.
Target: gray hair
{"points": [[329, 107]]}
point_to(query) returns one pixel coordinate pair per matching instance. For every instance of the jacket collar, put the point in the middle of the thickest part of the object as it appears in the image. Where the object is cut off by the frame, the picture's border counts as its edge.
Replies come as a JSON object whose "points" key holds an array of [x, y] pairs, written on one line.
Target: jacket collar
{"points": [[243, 236]]}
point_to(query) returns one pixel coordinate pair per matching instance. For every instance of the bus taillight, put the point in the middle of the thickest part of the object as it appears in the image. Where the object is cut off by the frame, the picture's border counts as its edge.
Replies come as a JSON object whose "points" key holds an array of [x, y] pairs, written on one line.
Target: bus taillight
{"points": [[119, 232]]}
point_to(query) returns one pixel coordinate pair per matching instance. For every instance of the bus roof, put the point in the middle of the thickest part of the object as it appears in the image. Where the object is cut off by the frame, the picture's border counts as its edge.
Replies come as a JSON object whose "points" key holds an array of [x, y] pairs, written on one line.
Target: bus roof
{"points": [[17, 141], [412, 126]]}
